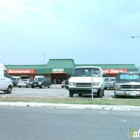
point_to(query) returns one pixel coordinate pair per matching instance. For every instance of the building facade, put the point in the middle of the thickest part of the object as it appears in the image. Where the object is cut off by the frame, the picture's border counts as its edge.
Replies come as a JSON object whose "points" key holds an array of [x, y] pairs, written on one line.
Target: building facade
{"points": [[59, 69]]}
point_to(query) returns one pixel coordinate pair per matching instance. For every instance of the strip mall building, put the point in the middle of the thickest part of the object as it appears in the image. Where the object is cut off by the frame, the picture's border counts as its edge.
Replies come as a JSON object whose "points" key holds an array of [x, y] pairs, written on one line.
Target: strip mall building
{"points": [[59, 69]]}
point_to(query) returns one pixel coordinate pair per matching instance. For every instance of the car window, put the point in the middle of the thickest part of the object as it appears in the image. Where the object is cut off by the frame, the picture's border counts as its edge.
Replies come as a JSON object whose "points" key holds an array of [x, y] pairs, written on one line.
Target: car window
{"points": [[106, 79], [84, 72], [129, 77]]}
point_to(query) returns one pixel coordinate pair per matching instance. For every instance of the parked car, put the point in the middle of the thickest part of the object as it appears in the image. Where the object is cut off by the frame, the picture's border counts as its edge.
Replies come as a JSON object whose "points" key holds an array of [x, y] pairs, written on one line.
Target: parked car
{"points": [[127, 84], [109, 82], [24, 83], [64, 84], [14, 81], [41, 82], [85, 77]]}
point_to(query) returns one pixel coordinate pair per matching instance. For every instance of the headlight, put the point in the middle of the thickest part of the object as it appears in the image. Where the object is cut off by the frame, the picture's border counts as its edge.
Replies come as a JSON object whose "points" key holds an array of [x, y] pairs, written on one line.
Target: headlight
{"points": [[71, 84], [96, 84], [39, 83], [118, 87]]}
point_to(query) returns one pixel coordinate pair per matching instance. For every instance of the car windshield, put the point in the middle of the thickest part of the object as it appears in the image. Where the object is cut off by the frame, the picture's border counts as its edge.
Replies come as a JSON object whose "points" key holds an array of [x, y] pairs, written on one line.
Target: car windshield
{"points": [[24, 79], [130, 77], [38, 79], [86, 72], [106, 79]]}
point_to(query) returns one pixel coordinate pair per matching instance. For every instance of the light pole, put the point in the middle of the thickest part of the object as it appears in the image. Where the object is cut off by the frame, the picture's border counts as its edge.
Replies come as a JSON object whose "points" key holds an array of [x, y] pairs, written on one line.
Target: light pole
{"points": [[134, 36], [44, 54]]}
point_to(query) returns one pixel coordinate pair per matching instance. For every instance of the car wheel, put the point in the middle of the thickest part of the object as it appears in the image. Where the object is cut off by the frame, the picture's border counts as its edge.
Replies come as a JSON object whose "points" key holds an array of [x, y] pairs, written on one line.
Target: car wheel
{"points": [[42, 86], [49, 86], [32, 86], [9, 90], [19, 86], [71, 94]]}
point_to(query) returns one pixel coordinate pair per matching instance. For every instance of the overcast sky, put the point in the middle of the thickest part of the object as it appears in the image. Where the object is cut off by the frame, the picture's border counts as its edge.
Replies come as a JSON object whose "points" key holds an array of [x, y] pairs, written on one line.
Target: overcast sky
{"points": [[88, 31]]}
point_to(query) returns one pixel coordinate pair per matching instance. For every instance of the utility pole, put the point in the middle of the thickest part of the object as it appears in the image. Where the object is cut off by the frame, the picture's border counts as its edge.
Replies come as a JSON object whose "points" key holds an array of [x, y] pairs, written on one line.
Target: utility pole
{"points": [[44, 56]]}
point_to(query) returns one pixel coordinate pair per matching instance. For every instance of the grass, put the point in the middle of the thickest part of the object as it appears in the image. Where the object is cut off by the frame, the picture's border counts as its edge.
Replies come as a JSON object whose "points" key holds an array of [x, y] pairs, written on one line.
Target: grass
{"points": [[96, 101]]}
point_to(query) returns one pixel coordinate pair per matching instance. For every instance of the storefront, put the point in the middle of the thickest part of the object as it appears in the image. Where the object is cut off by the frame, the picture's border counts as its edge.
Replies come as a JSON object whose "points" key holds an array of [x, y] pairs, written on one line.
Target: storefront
{"points": [[59, 69]]}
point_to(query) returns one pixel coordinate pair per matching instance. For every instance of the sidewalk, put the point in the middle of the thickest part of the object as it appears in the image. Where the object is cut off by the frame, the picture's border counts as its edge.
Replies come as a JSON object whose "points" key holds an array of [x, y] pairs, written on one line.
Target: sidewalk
{"points": [[70, 106]]}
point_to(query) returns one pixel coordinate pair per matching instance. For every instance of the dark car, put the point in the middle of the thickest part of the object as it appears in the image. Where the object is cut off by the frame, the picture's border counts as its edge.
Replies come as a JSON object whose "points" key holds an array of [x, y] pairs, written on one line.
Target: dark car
{"points": [[14, 81], [41, 82]]}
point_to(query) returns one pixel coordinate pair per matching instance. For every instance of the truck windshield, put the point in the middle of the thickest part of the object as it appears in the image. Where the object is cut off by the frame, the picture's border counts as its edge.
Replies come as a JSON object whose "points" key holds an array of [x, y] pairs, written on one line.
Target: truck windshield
{"points": [[130, 77], [86, 72]]}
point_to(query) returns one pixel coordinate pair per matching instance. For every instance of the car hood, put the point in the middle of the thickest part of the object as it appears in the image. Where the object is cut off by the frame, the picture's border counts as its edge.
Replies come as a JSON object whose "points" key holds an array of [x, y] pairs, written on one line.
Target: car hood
{"points": [[84, 79]]}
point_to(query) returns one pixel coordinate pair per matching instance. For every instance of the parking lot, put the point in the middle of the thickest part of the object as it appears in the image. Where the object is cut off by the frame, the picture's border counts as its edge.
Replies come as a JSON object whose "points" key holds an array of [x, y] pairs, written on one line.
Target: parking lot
{"points": [[54, 91]]}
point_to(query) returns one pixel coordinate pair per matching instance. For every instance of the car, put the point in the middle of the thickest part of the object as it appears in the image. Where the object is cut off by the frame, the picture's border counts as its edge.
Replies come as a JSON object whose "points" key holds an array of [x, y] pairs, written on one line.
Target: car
{"points": [[86, 80], [41, 82], [127, 84], [109, 82], [24, 83], [14, 81], [64, 84]]}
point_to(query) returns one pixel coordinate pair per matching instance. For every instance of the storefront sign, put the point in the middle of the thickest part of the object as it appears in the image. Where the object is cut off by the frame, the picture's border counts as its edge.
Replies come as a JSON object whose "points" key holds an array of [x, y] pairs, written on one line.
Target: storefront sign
{"points": [[58, 71], [21, 71], [113, 71]]}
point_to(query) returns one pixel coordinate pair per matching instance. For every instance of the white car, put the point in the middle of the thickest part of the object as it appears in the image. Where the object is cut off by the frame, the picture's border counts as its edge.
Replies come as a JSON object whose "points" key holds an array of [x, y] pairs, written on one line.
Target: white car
{"points": [[24, 83], [83, 77]]}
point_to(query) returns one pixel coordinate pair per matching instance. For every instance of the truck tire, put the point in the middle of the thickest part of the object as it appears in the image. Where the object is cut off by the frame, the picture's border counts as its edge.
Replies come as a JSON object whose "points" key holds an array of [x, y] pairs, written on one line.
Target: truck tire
{"points": [[100, 93], [70, 94], [8, 90], [80, 95]]}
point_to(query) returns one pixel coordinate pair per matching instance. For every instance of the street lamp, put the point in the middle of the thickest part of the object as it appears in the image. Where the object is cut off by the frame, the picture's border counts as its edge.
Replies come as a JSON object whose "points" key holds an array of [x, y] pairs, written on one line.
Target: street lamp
{"points": [[134, 36], [44, 54]]}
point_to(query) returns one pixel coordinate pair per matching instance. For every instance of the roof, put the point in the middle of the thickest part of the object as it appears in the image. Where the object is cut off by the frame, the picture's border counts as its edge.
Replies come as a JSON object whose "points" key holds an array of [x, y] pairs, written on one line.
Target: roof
{"points": [[25, 66], [60, 63], [68, 65], [129, 67], [87, 66]]}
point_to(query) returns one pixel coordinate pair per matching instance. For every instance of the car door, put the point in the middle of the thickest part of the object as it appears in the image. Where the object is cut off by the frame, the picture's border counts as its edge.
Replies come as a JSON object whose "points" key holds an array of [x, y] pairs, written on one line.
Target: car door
{"points": [[3, 79]]}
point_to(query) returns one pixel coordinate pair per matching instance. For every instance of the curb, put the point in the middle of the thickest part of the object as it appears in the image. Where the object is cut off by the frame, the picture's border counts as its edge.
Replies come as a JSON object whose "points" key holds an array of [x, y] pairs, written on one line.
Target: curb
{"points": [[70, 106]]}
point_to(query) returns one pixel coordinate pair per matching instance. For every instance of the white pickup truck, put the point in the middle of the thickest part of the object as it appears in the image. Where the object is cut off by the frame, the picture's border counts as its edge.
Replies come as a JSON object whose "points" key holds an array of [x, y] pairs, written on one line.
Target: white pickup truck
{"points": [[6, 84], [82, 79]]}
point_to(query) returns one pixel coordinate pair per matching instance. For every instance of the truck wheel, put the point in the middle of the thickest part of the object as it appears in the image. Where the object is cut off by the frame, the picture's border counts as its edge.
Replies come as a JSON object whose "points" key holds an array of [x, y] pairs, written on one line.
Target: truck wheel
{"points": [[100, 93], [70, 94], [9, 90], [32, 86], [80, 95]]}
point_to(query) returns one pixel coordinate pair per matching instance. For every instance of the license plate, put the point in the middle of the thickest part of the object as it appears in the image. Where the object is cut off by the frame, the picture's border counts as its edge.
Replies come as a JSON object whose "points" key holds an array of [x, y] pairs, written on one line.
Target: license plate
{"points": [[94, 90], [134, 93]]}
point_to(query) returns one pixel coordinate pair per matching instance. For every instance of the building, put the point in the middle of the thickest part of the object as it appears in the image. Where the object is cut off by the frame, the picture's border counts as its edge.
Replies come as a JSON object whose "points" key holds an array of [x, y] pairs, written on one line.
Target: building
{"points": [[59, 69]]}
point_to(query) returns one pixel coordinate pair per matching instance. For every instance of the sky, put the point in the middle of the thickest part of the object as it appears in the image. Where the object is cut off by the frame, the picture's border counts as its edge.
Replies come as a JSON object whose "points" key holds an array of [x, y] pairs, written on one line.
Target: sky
{"points": [[88, 31]]}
